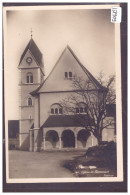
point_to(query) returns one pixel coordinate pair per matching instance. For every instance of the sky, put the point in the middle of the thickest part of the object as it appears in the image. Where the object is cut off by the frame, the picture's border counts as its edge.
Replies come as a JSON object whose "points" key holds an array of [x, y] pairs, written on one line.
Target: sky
{"points": [[89, 33]]}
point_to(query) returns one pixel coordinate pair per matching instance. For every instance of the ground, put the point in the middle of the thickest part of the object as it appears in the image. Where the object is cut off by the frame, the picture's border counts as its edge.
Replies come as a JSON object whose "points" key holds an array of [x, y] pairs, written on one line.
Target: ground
{"points": [[24, 164]]}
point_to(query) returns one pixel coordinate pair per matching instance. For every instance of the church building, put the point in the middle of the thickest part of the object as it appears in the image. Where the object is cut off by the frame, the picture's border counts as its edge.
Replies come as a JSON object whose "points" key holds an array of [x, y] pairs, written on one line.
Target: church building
{"points": [[43, 122]]}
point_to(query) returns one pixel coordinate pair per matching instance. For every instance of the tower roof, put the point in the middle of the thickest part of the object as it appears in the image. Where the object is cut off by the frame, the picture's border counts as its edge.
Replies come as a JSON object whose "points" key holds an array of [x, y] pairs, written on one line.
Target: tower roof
{"points": [[34, 51]]}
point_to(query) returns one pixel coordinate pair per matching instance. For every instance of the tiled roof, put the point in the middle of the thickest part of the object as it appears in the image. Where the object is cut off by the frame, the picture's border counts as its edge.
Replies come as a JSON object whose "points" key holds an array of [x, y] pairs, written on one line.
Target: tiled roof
{"points": [[35, 52], [78, 120]]}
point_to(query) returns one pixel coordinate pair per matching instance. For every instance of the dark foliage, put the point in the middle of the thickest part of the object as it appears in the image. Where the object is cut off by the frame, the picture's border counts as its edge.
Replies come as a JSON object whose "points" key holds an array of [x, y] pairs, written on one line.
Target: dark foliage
{"points": [[101, 156], [105, 149]]}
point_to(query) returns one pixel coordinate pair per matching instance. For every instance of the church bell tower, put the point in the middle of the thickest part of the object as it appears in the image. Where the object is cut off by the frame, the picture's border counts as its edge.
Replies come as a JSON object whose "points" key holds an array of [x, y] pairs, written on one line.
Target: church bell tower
{"points": [[31, 69]]}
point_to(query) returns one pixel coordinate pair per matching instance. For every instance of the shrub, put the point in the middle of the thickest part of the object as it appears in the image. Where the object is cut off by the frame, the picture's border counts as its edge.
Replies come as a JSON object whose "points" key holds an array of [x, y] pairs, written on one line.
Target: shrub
{"points": [[105, 149], [71, 165], [101, 156]]}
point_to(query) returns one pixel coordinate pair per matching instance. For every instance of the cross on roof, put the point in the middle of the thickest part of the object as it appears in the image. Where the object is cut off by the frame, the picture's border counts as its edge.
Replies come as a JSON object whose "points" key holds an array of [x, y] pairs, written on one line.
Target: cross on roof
{"points": [[31, 33]]}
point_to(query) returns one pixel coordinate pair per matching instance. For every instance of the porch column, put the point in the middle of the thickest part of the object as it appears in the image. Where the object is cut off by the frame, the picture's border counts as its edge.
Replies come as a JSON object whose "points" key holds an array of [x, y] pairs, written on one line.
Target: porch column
{"points": [[59, 142], [30, 137], [36, 139], [44, 140], [75, 140], [92, 139], [36, 123]]}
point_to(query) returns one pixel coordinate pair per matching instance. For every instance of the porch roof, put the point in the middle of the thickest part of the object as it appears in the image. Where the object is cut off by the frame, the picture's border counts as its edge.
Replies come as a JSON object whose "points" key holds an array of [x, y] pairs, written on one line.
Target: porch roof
{"points": [[78, 120]]}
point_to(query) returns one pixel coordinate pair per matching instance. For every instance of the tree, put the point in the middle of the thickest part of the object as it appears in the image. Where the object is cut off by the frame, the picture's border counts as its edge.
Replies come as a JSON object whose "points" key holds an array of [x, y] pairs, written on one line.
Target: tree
{"points": [[90, 106]]}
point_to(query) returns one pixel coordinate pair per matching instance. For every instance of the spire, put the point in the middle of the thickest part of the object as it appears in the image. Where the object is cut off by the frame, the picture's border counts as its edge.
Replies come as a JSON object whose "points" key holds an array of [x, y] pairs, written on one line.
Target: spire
{"points": [[32, 47], [31, 33]]}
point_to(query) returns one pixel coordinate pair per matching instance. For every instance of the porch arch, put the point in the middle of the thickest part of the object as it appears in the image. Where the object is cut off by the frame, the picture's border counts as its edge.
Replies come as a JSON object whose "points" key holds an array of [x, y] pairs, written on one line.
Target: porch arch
{"points": [[68, 139], [51, 139], [83, 137]]}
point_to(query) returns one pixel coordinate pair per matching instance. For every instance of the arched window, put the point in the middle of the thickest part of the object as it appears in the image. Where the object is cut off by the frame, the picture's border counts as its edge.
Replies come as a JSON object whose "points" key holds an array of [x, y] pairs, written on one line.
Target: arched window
{"points": [[82, 108], [56, 109], [66, 74], [52, 111], [29, 101], [70, 74], [60, 110], [29, 77], [30, 117], [77, 110]]}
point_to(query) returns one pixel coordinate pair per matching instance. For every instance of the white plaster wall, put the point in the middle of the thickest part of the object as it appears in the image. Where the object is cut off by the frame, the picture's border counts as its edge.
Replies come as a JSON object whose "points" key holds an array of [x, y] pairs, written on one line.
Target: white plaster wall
{"points": [[24, 64], [24, 141], [26, 112], [57, 81], [36, 75], [108, 134], [25, 125], [46, 100]]}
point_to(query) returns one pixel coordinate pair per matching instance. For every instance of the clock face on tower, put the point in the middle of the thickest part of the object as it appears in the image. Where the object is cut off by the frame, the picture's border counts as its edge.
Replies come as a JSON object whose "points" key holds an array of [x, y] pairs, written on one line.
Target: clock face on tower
{"points": [[29, 60]]}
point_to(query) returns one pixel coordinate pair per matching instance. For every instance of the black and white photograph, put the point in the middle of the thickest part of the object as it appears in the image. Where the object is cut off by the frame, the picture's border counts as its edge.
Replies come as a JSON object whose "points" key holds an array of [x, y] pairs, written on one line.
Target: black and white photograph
{"points": [[62, 93]]}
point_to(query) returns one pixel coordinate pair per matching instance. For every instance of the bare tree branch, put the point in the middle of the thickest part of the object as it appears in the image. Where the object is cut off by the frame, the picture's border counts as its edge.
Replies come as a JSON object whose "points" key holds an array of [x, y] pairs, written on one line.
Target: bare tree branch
{"points": [[95, 117]]}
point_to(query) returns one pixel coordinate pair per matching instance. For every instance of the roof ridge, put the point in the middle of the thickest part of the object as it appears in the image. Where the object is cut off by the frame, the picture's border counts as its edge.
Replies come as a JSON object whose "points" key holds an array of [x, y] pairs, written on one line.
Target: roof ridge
{"points": [[85, 69], [33, 92], [96, 83], [32, 41], [91, 76], [36, 90]]}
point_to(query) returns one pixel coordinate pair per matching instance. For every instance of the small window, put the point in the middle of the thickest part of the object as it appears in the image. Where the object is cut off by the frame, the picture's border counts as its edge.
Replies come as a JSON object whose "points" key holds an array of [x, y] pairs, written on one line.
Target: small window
{"points": [[66, 74], [60, 111], [29, 101], [81, 110], [70, 74], [77, 110], [29, 77], [30, 117], [52, 111], [56, 110]]}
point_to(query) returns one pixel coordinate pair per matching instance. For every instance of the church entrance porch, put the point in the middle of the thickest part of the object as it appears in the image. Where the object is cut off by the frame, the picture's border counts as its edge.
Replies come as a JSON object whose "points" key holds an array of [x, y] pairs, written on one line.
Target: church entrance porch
{"points": [[61, 138], [68, 139]]}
